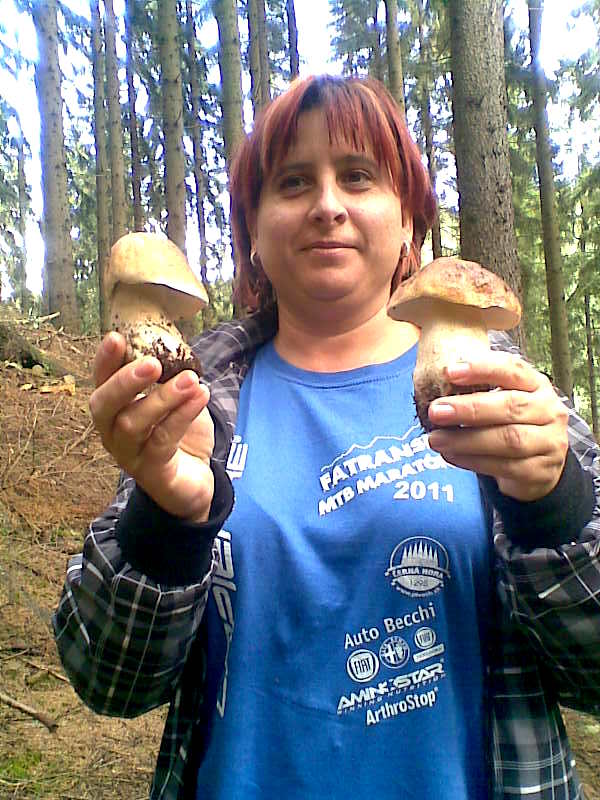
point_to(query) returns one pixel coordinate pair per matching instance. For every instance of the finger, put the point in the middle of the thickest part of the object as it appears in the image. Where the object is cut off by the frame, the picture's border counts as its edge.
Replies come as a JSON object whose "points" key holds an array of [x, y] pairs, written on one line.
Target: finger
{"points": [[504, 370], [109, 357], [166, 436], [120, 389], [497, 407], [522, 478], [137, 421], [499, 442]]}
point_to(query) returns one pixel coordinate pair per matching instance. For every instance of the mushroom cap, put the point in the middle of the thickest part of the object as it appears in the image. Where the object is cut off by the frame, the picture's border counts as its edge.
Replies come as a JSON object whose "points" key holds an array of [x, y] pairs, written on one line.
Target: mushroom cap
{"points": [[160, 268], [453, 280]]}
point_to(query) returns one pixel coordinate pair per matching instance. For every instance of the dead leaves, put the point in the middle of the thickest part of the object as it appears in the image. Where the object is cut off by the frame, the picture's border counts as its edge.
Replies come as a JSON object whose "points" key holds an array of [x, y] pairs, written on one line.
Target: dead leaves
{"points": [[65, 384]]}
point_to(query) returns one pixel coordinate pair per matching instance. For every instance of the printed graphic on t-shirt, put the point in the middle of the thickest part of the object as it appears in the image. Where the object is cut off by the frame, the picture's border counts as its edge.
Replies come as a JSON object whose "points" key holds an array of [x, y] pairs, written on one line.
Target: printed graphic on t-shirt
{"points": [[397, 661], [404, 462], [351, 585]]}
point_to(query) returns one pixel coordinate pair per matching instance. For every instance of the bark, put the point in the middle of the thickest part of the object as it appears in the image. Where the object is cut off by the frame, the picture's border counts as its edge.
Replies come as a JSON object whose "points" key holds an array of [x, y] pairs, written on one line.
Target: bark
{"points": [[394, 57], [589, 333], [230, 68], [59, 281], [171, 88], [115, 128], [138, 211], [292, 39], [425, 60], [21, 270], [102, 198], [559, 326], [376, 61], [260, 76], [487, 232], [199, 154], [589, 336]]}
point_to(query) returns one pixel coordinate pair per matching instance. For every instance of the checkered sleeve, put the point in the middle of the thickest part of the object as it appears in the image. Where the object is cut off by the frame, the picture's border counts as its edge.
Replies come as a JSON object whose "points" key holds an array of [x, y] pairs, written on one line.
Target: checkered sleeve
{"points": [[123, 638], [553, 592]]}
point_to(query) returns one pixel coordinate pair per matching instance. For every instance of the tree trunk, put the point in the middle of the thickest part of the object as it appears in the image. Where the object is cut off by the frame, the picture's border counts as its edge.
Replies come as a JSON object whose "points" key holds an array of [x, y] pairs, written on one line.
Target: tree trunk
{"points": [[199, 155], [21, 267], [559, 326], [263, 51], [376, 61], [115, 128], [102, 198], [589, 328], [292, 39], [589, 335], [259, 59], [170, 81], [230, 67], [394, 57], [138, 211], [487, 231], [58, 267], [425, 84]]}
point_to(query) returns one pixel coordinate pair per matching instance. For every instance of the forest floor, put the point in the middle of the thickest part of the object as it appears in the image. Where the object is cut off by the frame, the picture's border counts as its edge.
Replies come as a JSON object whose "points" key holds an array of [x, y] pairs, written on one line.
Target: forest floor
{"points": [[54, 477]]}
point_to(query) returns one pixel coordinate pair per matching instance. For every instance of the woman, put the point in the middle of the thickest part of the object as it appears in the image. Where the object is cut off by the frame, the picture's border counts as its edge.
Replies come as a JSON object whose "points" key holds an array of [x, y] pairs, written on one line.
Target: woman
{"points": [[351, 626]]}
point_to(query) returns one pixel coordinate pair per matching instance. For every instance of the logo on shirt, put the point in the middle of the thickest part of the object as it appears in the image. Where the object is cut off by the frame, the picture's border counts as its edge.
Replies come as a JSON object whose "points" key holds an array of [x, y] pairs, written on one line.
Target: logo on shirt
{"points": [[362, 665], [418, 566], [236, 460], [394, 652]]}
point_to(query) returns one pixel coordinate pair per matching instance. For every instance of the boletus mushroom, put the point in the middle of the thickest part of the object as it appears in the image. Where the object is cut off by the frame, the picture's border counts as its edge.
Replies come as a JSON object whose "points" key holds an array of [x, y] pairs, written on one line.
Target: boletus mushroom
{"points": [[149, 285], [455, 303]]}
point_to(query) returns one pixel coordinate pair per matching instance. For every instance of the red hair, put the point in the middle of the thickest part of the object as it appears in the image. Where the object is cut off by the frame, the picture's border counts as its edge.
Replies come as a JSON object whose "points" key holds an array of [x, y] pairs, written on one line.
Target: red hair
{"points": [[358, 111]]}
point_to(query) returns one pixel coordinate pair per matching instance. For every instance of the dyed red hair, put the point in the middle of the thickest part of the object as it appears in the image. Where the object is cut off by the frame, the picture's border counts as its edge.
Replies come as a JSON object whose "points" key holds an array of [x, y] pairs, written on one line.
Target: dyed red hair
{"points": [[358, 111]]}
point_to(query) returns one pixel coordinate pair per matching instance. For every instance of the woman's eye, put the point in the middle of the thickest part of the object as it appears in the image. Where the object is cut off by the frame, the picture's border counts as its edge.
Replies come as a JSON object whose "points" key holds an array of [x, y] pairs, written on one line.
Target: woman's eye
{"points": [[358, 177], [292, 182]]}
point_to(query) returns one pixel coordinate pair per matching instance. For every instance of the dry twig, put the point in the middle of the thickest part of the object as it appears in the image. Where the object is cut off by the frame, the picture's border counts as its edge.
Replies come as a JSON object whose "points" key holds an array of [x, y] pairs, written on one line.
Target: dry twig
{"points": [[41, 716]]}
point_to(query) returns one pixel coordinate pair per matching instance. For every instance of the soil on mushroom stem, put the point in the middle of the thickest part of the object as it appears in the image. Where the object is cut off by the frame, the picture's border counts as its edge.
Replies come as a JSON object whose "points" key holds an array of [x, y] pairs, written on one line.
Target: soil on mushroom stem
{"points": [[54, 477]]}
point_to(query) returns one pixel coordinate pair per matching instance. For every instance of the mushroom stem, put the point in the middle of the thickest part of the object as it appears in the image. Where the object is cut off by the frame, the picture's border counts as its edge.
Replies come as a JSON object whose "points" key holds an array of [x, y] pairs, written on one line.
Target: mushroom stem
{"points": [[449, 333], [148, 331]]}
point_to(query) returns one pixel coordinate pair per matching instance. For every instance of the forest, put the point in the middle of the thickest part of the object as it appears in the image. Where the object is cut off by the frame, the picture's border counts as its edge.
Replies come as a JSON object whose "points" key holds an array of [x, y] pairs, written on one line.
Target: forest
{"points": [[138, 108], [140, 114]]}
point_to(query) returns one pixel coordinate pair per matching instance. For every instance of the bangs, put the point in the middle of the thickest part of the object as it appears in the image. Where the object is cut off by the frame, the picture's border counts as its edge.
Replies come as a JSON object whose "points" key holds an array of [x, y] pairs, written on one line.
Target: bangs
{"points": [[354, 117]]}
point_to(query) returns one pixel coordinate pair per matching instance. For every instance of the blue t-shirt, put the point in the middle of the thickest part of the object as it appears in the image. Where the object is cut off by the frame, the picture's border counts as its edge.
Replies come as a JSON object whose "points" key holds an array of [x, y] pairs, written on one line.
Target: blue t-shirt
{"points": [[351, 600]]}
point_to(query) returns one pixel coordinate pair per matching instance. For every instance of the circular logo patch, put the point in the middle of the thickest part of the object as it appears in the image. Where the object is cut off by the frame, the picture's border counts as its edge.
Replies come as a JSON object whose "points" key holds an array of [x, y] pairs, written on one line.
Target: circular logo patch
{"points": [[394, 652], [362, 665]]}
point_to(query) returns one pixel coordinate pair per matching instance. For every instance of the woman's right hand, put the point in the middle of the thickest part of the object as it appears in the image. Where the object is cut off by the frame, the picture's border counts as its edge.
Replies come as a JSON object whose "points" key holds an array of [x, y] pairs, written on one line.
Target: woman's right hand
{"points": [[163, 439]]}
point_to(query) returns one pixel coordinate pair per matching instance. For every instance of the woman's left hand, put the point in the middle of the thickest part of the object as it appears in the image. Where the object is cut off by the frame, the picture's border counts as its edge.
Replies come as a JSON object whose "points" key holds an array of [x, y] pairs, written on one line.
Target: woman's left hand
{"points": [[516, 433]]}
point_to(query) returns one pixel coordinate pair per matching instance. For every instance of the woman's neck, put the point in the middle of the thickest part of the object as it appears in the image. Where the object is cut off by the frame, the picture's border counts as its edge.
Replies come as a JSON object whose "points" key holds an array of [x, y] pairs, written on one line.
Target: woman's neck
{"points": [[332, 346]]}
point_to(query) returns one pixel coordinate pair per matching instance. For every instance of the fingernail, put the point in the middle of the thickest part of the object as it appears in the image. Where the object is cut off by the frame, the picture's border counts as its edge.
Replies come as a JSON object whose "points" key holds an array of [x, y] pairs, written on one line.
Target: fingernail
{"points": [[144, 370], [110, 344], [442, 411], [185, 380], [458, 370]]}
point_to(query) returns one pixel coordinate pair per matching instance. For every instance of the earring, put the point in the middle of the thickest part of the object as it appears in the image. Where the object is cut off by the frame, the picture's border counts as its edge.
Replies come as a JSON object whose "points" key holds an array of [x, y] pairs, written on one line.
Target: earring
{"points": [[405, 249], [254, 259]]}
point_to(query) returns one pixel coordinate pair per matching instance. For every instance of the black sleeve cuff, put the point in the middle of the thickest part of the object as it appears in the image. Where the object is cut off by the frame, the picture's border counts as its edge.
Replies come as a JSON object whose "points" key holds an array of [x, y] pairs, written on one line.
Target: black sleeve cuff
{"points": [[552, 520], [166, 548]]}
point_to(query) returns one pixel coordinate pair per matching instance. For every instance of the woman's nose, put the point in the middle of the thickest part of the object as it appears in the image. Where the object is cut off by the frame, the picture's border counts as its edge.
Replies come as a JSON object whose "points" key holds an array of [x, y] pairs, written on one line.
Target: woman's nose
{"points": [[328, 205]]}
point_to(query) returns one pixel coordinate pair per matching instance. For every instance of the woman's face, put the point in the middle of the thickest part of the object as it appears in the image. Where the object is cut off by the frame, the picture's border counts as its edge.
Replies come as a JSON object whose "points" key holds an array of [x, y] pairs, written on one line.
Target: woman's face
{"points": [[329, 228]]}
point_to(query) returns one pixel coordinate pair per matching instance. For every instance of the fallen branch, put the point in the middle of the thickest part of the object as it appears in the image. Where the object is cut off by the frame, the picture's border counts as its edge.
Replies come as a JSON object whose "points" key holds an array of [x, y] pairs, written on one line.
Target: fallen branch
{"points": [[16, 348], [45, 719], [49, 670]]}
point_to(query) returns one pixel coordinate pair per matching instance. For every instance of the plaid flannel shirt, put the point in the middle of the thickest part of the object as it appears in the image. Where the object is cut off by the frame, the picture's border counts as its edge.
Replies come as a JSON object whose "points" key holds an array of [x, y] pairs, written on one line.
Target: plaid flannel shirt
{"points": [[130, 643]]}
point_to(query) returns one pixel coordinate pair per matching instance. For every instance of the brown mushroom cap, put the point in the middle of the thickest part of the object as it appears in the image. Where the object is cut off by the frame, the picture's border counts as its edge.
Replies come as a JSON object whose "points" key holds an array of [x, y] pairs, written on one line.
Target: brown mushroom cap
{"points": [[159, 267], [453, 280]]}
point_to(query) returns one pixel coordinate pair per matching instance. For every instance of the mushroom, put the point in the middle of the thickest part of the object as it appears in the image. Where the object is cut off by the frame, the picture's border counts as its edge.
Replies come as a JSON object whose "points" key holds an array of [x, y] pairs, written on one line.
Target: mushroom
{"points": [[150, 284], [455, 303]]}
